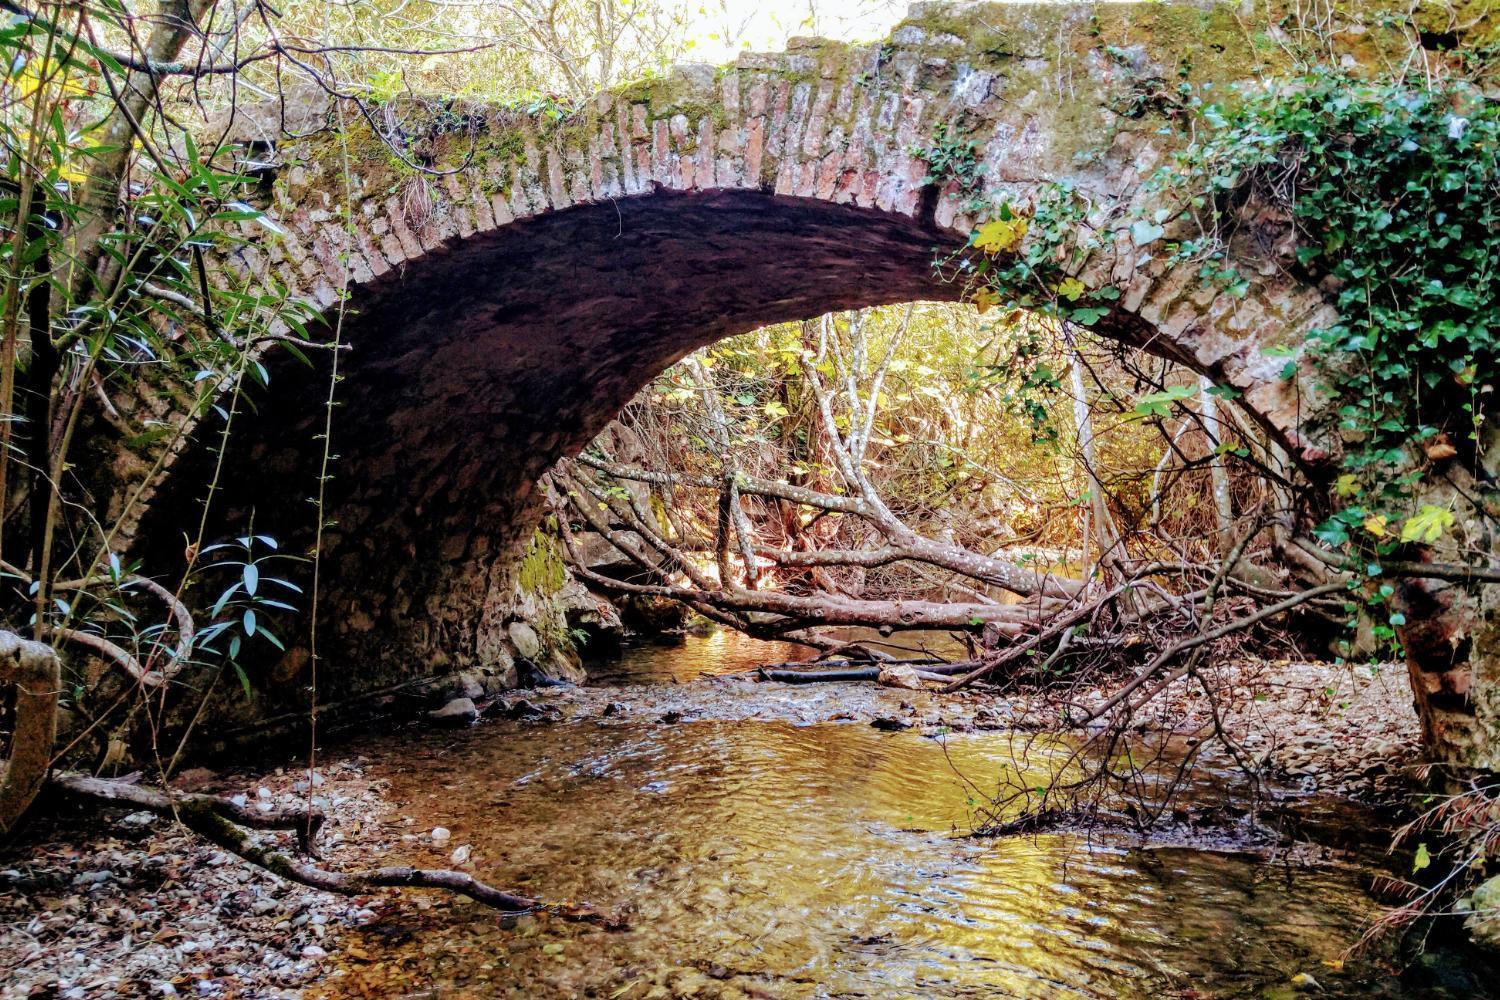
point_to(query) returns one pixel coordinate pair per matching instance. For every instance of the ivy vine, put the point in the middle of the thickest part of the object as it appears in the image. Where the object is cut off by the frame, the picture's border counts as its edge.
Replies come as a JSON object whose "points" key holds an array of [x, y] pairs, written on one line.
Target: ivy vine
{"points": [[1393, 190]]}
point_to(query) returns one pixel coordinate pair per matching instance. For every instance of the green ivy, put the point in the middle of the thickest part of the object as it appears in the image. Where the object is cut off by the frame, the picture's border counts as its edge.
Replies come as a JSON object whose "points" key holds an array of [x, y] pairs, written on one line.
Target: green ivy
{"points": [[954, 158], [1394, 190]]}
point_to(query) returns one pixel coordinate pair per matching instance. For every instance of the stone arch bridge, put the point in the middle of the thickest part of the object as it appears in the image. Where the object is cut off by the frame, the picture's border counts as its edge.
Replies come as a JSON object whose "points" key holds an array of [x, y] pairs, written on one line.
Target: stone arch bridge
{"points": [[501, 310]]}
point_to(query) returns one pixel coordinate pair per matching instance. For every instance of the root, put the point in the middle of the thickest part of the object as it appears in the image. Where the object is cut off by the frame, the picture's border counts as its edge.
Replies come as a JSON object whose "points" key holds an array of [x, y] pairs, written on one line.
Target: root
{"points": [[222, 822]]}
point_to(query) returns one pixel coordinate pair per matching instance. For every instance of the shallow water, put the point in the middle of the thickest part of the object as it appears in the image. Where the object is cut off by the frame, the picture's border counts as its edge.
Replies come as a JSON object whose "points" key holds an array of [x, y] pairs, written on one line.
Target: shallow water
{"points": [[724, 651], [760, 858]]}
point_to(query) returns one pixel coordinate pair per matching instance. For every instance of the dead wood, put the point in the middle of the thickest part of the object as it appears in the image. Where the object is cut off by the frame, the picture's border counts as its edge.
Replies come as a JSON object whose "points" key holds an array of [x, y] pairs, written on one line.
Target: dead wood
{"points": [[221, 821], [936, 671]]}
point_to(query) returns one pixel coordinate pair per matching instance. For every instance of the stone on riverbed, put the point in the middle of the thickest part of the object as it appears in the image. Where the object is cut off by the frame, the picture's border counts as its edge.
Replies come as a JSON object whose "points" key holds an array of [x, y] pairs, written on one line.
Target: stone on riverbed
{"points": [[458, 712], [901, 677]]}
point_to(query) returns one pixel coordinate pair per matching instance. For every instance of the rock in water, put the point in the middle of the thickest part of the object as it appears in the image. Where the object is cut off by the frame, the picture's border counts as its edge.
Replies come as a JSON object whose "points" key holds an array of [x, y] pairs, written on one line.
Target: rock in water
{"points": [[458, 712], [900, 677]]}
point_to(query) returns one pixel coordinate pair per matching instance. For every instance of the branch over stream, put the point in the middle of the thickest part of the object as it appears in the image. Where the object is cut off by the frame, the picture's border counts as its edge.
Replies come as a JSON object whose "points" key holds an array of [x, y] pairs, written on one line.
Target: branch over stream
{"points": [[222, 822]]}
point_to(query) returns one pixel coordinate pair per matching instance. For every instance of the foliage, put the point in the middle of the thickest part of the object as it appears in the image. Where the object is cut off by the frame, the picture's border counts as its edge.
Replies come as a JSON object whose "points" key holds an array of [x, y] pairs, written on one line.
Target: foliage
{"points": [[953, 158], [112, 216], [1394, 190]]}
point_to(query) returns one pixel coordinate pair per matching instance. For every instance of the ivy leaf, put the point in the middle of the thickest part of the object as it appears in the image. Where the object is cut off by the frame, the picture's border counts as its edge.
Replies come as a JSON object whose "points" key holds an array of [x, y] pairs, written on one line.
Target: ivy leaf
{"points": [[1159, 404], [1070, 289], [1427, 525], [986, 299], [1375, 525], [1143, 232], [1347, 485], [1422, 860], [999, 235]]}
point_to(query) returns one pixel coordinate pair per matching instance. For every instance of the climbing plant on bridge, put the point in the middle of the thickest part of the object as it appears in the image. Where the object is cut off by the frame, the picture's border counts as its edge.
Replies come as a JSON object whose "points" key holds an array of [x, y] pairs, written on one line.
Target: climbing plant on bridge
{"points": [[1394, 192]]}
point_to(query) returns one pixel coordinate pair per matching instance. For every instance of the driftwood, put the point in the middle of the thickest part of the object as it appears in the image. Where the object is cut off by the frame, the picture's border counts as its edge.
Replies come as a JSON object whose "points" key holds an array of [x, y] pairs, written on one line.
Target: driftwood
{"points": [[938, 671], [839, 664], [220, 821]]}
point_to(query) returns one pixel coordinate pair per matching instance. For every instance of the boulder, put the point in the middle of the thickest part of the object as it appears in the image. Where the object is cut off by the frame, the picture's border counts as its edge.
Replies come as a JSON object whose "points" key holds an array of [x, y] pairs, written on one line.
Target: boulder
{"points": [[458, 712], [1483, 908], [901, 677], [528, 644], [468, 686], [565, 666], [594, 618]]}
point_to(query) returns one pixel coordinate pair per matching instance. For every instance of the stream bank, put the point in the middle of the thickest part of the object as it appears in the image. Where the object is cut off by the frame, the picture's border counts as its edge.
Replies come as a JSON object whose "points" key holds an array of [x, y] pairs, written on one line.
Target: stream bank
{"points": [[761, 840]]}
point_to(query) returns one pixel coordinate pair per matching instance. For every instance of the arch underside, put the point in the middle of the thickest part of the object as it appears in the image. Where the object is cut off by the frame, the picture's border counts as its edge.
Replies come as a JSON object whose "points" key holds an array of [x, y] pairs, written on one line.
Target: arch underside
{"points": [[473, 369]]}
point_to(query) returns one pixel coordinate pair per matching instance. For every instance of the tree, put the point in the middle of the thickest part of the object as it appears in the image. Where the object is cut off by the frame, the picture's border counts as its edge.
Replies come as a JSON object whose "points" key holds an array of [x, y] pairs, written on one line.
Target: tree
{"points": [[705, 523], [110, 203]]}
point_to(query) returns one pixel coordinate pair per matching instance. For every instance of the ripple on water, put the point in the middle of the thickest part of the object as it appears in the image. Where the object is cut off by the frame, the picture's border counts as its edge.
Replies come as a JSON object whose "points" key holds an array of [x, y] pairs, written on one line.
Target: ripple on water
{"points": [[820, 861]]}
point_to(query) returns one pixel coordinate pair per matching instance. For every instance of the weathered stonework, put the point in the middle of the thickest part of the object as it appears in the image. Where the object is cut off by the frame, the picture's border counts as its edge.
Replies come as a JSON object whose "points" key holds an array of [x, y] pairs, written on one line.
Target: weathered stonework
{"points": [[500, 312]]}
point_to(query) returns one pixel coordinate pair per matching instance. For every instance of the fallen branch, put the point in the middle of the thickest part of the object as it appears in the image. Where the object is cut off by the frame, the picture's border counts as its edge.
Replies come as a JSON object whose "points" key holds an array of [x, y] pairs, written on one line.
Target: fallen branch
{"points": [[305, 822], [937, 671], [836, 664], [219, 821]]}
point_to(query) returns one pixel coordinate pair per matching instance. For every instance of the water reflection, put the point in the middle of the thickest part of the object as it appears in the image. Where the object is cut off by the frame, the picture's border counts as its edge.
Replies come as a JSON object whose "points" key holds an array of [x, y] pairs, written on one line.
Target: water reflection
{"points": [[725, 651], [764, 859]]}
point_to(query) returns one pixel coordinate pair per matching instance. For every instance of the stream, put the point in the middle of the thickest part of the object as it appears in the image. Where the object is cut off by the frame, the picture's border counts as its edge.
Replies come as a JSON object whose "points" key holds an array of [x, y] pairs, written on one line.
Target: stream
{"points": [[764, 858]]}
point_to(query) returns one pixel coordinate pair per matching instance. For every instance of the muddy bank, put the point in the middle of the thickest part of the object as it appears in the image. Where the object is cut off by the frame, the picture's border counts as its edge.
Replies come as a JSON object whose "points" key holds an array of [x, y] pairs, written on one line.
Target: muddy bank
{"points": [[126, 905]]}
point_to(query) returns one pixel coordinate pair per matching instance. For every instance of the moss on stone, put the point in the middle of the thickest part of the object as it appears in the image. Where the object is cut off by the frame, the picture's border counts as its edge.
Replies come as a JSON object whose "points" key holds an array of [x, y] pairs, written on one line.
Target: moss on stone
{"points": [[975, 29], [542, 570]]}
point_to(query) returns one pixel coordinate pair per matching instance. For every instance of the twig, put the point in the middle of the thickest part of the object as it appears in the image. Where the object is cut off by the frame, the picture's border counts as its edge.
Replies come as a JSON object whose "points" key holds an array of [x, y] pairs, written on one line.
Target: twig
{"points": [[218, 820]]}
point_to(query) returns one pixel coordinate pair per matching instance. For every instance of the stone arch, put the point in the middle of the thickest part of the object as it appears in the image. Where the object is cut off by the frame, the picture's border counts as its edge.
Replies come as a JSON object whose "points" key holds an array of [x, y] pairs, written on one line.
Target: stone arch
{"points": [[501, 316]]}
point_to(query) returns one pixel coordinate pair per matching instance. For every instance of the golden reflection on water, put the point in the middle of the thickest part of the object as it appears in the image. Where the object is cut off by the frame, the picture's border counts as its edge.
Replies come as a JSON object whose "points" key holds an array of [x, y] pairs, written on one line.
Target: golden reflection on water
{"points": [[763, 859], [725, 651]]}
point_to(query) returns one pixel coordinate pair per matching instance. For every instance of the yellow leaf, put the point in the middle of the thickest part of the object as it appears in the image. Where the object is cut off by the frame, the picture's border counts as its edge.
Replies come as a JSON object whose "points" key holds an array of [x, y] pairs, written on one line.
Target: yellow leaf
{"points": [[986, 299], [1070, 289], [999, 235], [1347, 485], [1427, 525], [1375, 525], [37, 73]]}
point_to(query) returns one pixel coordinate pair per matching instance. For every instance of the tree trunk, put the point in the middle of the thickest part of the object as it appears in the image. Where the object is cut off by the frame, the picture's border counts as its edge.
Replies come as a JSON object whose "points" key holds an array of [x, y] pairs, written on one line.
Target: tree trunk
{"points": [[1452, 637], [34, 669]]}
